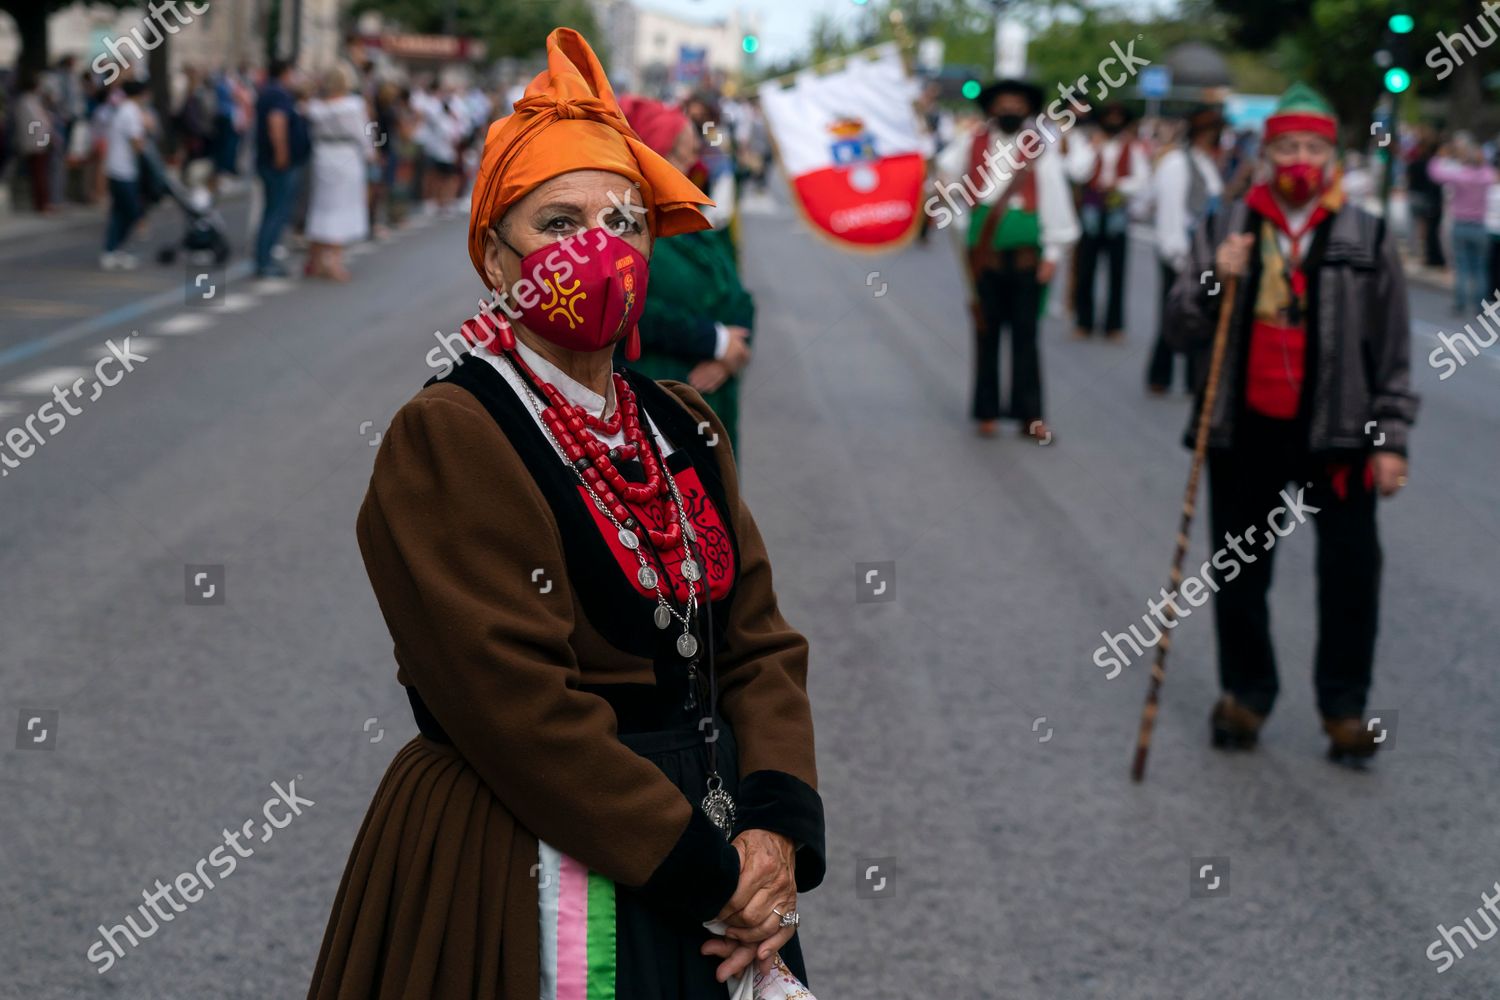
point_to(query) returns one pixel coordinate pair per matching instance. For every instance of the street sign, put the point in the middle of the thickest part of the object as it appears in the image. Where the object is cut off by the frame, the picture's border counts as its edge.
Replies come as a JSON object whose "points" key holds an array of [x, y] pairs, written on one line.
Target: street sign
{"points": [[1155, 82]]}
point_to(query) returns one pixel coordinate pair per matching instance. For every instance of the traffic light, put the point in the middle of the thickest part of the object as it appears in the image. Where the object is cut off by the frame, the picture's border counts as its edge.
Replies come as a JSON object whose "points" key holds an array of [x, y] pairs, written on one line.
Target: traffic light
{"points": [[1395, 52], [971, 89], [750, 43]]}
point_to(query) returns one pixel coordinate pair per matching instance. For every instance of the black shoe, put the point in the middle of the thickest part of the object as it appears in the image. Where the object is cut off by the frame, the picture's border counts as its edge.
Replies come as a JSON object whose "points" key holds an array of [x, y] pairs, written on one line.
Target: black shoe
{"points": [[1232, 726], [1350, 741]]}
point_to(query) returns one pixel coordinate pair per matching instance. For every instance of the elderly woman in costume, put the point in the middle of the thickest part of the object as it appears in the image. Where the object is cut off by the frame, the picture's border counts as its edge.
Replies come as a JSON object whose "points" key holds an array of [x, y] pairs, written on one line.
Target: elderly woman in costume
{"points": [[616, 743], [698, 319]]}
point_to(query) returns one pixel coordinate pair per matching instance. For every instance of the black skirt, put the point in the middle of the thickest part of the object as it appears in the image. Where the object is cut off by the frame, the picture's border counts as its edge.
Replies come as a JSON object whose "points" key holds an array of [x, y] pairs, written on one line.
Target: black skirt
{"points": [[657, 952]]}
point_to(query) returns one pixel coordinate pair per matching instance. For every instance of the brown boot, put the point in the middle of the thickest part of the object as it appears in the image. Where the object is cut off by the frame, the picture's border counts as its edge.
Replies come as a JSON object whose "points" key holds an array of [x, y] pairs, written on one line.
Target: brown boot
{"points": [[1038, 431], [1233, 726], [1350, 740]]}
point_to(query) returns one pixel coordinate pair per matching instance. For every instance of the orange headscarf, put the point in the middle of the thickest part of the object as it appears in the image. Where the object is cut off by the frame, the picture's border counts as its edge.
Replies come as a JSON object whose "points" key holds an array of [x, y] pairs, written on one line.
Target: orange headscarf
{"points": [[569, 120]]}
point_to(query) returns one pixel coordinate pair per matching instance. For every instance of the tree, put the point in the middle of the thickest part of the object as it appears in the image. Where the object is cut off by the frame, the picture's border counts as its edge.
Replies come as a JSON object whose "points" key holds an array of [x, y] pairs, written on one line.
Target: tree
{"points": [[31, 26], [1331, 44], [508, 27]]}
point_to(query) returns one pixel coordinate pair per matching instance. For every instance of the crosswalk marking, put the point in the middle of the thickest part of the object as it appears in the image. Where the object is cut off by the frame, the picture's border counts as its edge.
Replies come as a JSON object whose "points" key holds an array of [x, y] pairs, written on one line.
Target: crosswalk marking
{"points": [[183, 323], [237, 303], [142, 345], [41, 383]]}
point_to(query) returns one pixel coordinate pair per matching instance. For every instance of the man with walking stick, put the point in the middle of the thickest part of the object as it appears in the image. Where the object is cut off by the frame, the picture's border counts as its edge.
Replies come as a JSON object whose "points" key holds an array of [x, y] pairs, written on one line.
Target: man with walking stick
{"points": [[1314, 398]]}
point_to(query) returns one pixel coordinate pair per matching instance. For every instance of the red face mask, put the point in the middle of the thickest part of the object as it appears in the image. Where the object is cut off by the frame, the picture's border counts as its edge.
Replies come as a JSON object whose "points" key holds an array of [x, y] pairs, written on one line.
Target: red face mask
{"points": [[1298, 183], [592, 289]]}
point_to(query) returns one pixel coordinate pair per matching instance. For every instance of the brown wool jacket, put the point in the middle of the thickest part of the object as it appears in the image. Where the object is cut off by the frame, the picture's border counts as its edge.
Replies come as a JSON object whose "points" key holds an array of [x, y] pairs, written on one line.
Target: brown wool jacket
{"points": [[453, 531]]}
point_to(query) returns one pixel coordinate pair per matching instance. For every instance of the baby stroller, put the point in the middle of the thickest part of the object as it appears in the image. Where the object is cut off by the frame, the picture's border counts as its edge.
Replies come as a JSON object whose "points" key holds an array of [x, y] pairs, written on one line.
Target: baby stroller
{"points": [[204, 237]]}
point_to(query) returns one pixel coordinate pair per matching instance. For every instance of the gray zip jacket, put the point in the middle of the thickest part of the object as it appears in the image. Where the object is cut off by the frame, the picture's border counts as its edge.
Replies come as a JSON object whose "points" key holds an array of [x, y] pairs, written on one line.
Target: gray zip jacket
{"points": [[1361, 399]]}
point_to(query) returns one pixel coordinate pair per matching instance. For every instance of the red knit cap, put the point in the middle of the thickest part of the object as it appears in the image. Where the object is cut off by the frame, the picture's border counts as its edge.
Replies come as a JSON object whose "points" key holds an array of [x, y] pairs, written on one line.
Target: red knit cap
{"points": [[1302, 109]]}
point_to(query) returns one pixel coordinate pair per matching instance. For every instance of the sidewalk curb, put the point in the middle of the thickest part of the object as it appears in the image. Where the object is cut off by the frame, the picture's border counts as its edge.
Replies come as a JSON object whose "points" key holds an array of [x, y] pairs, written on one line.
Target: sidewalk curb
{"points": [[17, 226]]}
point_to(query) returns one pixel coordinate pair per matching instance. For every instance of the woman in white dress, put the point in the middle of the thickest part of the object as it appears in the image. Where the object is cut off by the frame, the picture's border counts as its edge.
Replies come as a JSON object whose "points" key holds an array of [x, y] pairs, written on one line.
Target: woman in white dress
{"points": [[341, 147]]}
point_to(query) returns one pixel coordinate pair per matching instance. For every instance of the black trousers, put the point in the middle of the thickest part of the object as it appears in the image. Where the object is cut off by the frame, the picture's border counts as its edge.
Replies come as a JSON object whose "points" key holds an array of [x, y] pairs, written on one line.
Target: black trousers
{"points": [[1159, 371], [1433, 231], [1494, 265], [1009, 298], [1244, 486], [1089, 249]]}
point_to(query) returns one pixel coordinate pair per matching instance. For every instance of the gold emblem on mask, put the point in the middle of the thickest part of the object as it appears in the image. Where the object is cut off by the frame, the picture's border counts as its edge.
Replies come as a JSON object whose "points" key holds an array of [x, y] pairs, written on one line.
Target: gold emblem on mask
{"points": [[564, 300]]}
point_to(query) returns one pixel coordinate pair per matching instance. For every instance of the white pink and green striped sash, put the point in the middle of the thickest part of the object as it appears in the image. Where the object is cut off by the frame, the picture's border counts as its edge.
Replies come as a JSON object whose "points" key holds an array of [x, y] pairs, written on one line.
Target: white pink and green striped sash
{"points": [[577, 929]]}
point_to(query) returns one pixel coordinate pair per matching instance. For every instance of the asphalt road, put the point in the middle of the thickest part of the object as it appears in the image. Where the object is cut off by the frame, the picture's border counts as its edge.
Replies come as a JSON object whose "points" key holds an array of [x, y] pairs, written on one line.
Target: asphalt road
{"points": [[971, 752]]}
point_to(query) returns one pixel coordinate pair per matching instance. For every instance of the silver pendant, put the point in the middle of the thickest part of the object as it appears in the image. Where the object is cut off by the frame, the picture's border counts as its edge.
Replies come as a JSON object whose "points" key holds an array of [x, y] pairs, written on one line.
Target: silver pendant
{"points": [[690, 570], [629, 540], [692, 535], [647, 576], [719, 806], [686, 644], [662, 616]]}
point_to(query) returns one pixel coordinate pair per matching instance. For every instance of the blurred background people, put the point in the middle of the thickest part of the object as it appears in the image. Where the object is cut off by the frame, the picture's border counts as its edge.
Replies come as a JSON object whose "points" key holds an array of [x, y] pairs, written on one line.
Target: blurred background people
{"points": [[1426, 197], [1019, 230], [1492, 228], [1112, 169], [32, 129], [337, 213], [279, 155], [193, 120], [390, 127], [1187, 184], [1460, 168], [439, 134], [127, 132], [234, 110]]}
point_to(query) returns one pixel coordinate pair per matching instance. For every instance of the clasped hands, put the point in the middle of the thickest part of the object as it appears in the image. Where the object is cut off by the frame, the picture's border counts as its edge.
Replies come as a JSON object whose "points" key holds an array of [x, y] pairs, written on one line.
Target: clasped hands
{"points": [[767, 880]]}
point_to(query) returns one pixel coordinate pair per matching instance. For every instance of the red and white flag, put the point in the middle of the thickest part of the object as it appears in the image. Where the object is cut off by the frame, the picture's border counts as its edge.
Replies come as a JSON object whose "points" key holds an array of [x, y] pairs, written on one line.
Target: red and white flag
{"points": [[852, 148]]}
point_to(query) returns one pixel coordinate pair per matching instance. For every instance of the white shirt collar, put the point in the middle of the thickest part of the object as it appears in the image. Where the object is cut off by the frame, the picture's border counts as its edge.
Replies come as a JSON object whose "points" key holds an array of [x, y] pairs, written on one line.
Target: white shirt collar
{"points": [[573, 391], [1296, 218]]}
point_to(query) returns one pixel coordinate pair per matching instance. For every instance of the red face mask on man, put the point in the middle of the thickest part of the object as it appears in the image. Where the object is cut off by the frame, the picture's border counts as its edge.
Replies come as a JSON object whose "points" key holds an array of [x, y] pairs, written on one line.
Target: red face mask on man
{"points": [[1298, 183], [592, 293]]}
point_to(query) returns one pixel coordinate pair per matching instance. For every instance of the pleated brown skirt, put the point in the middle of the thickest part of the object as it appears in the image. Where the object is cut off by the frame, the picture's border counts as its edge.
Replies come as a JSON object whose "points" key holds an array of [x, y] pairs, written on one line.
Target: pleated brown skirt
{"points": [[437, 900]]}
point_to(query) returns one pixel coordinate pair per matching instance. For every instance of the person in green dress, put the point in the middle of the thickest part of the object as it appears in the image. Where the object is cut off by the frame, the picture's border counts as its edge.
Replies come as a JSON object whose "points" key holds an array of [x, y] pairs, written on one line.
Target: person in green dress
{"points": [[699, 318]]}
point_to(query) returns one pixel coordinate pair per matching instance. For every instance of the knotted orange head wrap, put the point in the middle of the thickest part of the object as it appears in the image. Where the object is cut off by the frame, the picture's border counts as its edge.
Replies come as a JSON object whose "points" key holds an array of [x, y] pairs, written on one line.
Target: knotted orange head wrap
{"points": [[569, 120]]}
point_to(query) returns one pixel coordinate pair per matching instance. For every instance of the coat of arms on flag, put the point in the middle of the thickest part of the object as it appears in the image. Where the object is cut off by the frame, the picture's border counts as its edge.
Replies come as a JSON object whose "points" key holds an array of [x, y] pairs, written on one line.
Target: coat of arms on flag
{"points": [[852, 149]]}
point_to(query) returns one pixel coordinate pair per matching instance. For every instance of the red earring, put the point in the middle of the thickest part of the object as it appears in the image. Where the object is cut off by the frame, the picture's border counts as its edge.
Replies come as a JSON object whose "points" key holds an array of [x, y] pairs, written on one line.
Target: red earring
{"points": [[633, 344]]}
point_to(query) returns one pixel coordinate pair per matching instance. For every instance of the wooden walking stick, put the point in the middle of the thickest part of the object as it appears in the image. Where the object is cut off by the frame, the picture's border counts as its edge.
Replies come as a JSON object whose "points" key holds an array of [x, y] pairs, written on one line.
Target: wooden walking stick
{"points": [[1189, 501]]}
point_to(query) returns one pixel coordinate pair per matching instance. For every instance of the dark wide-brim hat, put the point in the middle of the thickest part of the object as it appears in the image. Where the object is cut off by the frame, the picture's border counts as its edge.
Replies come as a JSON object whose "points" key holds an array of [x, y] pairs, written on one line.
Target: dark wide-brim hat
{"points": [[1103, 111], [1206, 116], [1030, 91]]}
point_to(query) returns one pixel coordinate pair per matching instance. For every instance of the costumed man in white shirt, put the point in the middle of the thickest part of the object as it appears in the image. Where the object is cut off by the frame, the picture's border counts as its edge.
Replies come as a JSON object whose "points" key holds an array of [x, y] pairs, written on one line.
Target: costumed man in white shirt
{"points": [[1020, 224], [1188, 187], [1112, 169]]}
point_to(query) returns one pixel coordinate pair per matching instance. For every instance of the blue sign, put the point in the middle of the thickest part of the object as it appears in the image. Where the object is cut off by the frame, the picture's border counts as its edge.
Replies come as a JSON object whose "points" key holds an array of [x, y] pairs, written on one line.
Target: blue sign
{"points": [[692, 63], [1155, 82]]}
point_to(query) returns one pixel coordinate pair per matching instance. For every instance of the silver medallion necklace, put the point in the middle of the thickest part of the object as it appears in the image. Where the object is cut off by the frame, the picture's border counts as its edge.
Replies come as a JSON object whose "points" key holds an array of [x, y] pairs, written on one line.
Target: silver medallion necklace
{"points": [[717, 804]]}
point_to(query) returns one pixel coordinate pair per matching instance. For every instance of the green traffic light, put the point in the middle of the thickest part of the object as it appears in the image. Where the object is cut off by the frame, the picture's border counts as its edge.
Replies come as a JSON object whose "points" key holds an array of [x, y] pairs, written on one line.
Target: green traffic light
{"points": [[1402, 24], [750, 43], [1397, 80], [971, 89]]}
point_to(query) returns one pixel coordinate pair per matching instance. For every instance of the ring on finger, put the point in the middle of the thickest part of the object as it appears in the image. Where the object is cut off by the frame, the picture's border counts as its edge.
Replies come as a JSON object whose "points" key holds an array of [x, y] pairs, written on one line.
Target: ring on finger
{"points": [[791, 918]]}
